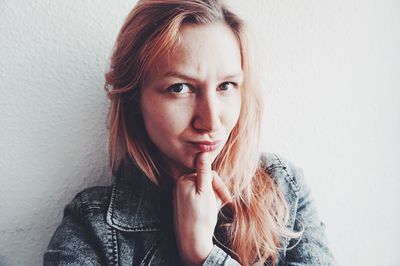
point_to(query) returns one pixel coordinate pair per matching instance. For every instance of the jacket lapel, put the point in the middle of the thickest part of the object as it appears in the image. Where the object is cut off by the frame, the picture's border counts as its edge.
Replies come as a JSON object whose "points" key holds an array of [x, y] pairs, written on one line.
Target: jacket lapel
{"points": [[135, 204]]}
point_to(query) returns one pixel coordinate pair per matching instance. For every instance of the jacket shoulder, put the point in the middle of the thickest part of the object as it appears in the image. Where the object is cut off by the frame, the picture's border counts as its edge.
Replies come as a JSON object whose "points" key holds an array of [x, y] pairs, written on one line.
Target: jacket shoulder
{"points": [[285, 174], [82, 219], [89, 199], [312, 247]]}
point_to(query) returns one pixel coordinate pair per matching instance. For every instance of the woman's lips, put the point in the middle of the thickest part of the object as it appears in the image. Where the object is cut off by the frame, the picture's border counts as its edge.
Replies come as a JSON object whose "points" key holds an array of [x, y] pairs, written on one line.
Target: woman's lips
{"points": [[206, 146]]}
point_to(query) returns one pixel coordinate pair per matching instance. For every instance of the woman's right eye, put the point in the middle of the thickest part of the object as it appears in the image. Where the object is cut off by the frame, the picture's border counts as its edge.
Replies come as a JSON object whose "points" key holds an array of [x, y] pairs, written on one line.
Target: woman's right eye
{"points": [[180, 88]]}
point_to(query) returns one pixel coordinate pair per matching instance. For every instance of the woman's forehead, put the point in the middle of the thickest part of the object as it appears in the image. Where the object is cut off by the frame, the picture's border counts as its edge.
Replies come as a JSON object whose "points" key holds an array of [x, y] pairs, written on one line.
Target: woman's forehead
{"points": [[203, 50]]}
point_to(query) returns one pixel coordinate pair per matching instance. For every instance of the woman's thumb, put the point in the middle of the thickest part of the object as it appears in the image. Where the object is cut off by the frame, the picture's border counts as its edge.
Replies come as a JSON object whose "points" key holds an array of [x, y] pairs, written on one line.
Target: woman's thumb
{"points": [[221, 189]]}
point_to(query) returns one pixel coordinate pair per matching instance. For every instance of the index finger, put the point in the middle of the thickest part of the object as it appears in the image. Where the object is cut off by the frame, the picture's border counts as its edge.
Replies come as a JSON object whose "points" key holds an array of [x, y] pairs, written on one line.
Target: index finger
{"points": [[204, 172]]}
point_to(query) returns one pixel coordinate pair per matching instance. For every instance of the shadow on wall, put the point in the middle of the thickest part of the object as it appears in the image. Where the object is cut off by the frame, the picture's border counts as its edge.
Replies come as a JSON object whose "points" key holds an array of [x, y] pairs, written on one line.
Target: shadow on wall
{"points": [[55, 118], [75, 146], [2, 260]]}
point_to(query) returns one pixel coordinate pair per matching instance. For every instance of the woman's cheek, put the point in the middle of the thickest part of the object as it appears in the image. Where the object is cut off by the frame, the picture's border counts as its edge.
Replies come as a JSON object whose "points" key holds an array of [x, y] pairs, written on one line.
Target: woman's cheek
{"points": [[231, 114]]}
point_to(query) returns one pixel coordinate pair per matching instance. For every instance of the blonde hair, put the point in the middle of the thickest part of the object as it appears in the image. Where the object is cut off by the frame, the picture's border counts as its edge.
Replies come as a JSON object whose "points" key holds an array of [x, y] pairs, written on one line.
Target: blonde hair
{"points": [[254, 222]]}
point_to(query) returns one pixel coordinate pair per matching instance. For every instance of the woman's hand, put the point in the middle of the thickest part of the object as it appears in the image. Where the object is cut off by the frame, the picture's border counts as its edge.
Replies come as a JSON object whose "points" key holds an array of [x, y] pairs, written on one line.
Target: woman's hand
{"points": [[197, 200]]}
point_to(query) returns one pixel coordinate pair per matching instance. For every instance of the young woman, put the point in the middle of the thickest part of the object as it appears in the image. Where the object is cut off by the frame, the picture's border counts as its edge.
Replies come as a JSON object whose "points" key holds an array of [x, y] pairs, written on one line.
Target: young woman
{"points": [[191, 187]]}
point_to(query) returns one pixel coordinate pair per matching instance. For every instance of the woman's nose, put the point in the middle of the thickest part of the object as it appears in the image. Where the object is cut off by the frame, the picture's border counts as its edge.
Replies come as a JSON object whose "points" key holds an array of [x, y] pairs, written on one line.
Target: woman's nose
{"points": [[207, 114]]}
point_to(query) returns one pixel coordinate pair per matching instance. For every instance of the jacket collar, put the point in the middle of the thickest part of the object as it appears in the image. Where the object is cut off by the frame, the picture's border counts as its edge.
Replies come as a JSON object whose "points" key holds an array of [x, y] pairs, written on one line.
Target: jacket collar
{"points": [[138, 205]]}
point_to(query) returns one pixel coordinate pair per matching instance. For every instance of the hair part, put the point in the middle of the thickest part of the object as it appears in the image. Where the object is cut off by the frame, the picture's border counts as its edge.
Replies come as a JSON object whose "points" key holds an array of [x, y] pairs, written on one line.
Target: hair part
{"points": [[255, 220]]}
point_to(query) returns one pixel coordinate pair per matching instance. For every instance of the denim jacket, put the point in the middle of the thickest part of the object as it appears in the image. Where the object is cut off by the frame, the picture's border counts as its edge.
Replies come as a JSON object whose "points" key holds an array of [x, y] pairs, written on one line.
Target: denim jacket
{"points": [[130, 223]]}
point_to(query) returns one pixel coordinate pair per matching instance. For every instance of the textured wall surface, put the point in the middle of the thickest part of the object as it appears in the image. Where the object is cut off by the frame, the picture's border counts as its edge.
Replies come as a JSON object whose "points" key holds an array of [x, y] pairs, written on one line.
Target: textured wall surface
{"points": [[331, 70]]}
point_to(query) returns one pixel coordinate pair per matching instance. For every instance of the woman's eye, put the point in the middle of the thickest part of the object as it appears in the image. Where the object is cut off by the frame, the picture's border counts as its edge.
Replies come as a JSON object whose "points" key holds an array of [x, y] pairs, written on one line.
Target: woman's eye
{"points": [[226, 86], [179, 88]]}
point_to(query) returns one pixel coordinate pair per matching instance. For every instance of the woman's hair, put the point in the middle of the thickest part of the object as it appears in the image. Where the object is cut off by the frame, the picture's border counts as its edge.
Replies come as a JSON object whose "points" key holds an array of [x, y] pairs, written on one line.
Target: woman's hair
{"points": [[258, 207]]}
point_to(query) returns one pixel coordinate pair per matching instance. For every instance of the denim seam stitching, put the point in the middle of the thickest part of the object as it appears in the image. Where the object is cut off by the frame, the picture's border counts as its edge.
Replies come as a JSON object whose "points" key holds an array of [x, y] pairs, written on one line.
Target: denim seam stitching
{"points": [[290, 178], [110, 214], [115, 246]]}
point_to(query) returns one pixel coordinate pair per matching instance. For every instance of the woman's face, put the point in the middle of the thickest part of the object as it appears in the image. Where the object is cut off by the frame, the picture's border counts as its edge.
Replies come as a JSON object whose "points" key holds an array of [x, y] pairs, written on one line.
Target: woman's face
{"points": [[191, 98]]}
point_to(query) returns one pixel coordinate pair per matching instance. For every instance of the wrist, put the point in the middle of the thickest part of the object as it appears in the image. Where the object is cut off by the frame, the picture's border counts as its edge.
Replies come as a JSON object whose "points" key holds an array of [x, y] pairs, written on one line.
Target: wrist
{"points": [[196, 256]]}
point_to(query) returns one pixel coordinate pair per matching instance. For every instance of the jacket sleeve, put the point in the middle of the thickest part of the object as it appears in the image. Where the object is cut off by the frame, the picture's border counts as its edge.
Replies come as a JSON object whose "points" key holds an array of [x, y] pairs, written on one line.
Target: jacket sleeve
{"points": [[71, 243], [312, 248], [219, 257]]}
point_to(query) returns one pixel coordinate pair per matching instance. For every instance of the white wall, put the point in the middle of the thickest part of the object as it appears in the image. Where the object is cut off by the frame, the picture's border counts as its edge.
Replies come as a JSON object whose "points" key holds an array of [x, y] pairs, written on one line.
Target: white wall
{"points": [[332, 77]]}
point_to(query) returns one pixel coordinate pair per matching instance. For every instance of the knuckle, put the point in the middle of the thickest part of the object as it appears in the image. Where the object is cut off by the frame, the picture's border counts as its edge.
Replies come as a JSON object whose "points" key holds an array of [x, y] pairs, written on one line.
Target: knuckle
{"points": [[203, 172]]}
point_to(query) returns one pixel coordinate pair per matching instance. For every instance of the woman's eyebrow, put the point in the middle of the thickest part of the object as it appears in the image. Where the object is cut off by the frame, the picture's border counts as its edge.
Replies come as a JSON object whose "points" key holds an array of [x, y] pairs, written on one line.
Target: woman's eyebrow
{"points": [[177, 74], [238, 75]]}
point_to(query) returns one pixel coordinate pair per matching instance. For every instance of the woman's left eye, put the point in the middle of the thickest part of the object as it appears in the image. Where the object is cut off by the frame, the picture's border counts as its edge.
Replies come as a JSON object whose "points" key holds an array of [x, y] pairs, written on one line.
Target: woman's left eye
{"points": [[226, 86], [179, 88]]}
